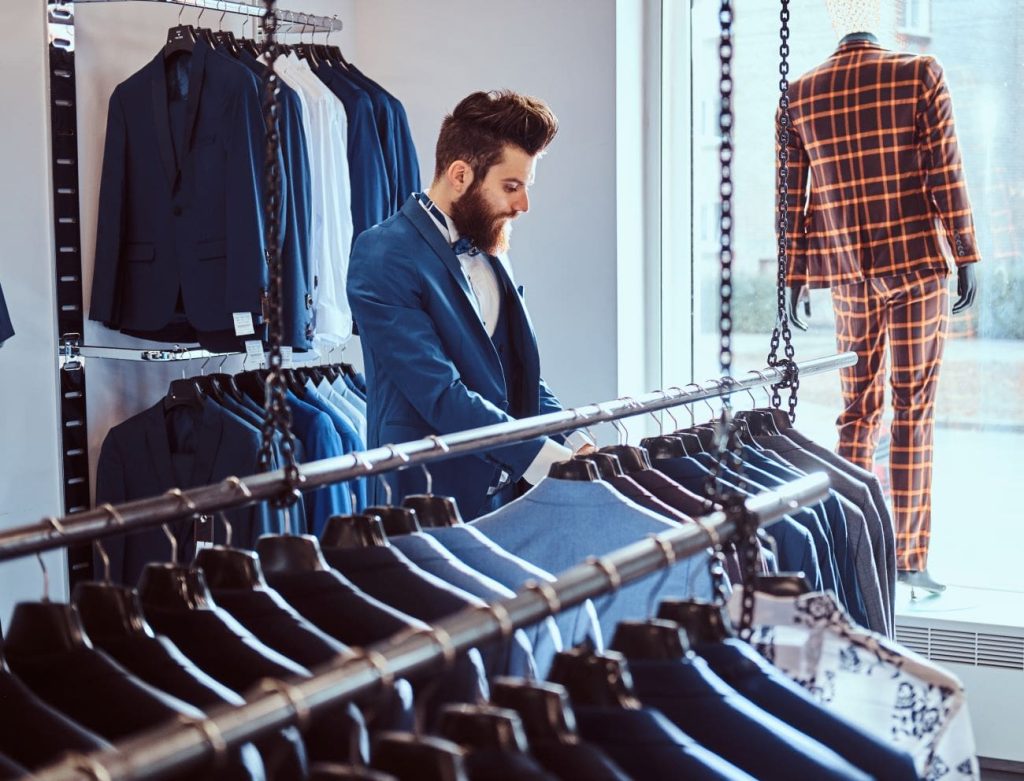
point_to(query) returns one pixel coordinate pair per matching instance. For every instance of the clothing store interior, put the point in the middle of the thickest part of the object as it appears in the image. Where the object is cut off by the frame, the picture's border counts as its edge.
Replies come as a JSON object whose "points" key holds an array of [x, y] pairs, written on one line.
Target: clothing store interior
{"points": [[485, 390]]}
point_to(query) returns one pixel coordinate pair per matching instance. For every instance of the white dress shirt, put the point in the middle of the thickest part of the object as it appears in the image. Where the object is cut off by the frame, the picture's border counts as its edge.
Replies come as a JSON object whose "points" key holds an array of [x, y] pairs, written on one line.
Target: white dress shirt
{"points": [[485, 295], [326, 130]]}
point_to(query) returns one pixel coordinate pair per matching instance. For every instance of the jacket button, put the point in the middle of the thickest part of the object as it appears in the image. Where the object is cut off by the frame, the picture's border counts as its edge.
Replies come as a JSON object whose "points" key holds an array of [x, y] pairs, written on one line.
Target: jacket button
{"points": [[309, 301]]}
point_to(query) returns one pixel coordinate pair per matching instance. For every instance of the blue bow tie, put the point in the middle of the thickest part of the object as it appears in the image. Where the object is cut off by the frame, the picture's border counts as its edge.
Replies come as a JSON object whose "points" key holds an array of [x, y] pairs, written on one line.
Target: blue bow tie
{"points": [[465, 247]]}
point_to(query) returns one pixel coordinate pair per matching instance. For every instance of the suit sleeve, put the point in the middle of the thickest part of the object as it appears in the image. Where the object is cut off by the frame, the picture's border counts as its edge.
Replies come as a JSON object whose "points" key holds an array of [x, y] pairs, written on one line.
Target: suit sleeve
{"points": [[104, 304], [944, 172], [246, 250], [385, 294], [796, 180]]}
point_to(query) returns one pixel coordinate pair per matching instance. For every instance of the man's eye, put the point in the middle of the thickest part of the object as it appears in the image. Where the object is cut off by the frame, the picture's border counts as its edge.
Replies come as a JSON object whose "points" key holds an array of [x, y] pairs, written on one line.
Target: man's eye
{"points": [[511, 188]]}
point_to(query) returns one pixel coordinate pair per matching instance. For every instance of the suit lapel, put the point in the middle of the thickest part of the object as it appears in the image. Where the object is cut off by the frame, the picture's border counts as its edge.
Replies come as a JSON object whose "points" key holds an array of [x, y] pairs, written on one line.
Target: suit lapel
{"points": [[159, 446], [200, 55], [162, 118], [428, 230], [519, 320]]}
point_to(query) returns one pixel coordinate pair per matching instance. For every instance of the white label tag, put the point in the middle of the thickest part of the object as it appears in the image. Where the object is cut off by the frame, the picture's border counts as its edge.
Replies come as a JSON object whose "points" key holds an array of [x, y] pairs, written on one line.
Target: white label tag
{"points": [[243, 324], [202, 545], [287, 358], [254, 349]]}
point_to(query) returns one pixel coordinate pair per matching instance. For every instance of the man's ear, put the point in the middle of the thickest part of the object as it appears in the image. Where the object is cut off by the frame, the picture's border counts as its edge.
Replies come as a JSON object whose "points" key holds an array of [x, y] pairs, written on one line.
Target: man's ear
{"points": [[459, 176]]}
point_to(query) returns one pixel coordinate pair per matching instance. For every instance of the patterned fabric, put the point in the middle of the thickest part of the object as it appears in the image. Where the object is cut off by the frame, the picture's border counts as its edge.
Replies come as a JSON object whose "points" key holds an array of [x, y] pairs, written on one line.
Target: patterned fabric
{"points": [[889, 691], [910, 313], [873, 133]]}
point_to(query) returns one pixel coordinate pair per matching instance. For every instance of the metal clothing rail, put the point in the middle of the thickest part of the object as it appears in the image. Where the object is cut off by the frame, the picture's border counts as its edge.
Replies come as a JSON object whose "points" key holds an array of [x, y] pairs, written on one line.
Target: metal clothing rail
{"points": [[72, 352], [107, 520], [163, 751], [306, 22]]}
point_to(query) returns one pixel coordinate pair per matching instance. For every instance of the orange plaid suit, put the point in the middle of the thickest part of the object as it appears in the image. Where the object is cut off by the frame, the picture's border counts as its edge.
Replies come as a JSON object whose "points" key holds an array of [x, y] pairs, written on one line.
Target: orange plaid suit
{"points": [[875, 182]]}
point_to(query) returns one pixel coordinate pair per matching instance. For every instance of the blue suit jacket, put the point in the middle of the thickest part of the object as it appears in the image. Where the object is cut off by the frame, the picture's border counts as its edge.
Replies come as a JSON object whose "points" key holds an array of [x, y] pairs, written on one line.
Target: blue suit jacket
{"points": [[431, 366], [319, 440], [137, 462], [180, 203], [371, 194]]}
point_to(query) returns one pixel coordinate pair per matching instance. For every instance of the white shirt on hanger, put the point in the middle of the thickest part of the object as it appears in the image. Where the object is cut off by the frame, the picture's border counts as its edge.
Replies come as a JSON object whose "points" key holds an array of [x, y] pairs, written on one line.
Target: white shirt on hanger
{"points": [[332, 232]]}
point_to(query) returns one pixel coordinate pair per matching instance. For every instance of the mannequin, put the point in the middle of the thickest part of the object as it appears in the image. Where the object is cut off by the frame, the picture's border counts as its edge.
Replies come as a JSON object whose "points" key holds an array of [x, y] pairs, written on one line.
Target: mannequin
{"points": [[887, 203]]}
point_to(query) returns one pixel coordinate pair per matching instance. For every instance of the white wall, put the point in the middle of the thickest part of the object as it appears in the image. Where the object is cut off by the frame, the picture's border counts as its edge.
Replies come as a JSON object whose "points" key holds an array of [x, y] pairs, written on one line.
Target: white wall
{"points": [[29, 452], [432, 54]]}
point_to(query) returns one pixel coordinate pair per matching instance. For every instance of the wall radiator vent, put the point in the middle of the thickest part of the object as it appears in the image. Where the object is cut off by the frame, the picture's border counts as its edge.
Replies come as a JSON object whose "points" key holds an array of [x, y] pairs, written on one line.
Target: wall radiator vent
{"points": [[980, 649]]}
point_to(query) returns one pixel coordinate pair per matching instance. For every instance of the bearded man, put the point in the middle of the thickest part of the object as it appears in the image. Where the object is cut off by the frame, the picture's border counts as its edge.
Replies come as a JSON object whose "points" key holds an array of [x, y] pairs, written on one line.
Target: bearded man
{"points": [[446, 338]]}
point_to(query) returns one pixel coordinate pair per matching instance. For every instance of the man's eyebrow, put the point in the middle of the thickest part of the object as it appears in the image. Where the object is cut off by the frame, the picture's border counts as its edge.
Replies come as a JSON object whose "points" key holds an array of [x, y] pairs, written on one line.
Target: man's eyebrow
{"points": [[514, 180]]}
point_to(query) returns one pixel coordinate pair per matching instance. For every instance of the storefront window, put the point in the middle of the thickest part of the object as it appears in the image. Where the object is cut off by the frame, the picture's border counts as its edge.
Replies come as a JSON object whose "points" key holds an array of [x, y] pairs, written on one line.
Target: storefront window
{"points": [[979, 437]]}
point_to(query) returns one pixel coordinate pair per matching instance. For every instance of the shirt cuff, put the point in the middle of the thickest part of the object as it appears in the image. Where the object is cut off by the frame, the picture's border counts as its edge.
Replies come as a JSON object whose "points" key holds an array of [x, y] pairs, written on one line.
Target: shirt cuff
{"points": [[550, 453], [577, 439]]}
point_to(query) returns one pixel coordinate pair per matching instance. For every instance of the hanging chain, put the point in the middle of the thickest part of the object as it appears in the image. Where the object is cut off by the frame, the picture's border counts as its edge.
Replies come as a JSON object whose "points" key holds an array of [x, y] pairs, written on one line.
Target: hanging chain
{"points": [[277, 417], [728, 447], [782, 331]]}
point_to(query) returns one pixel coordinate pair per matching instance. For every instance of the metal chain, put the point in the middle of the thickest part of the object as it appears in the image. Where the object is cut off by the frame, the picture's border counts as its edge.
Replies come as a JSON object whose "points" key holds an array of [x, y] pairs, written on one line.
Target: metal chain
{"points": [[728, 448], [277, 417], [782, 331], [746, 532]]}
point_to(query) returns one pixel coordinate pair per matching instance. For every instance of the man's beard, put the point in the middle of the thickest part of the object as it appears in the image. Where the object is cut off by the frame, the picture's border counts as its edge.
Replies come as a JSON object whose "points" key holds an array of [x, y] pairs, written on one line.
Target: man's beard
{"points": [[475, 220]]}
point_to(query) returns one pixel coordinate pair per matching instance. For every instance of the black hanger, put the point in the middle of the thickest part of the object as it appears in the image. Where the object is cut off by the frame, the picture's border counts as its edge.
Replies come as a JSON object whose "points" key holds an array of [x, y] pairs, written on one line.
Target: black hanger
{"points": [[290, 553], [354, 531], [226, 39], [705, 436], [574, 469], [109, 610], [181, 38], [701, 621], [784, 584], [307, 51], [337, 56], [411, 758], [543, 708], [396, 520], [608, 466], [332, 373], [45, 627], [655, 639], [174, 586], [184, 393], [432, 511], [226, 385], [234, 568], [664, 446], [632, 458], [250, 46], [252, 384], [209, 387], [482, 727], [594, 679]]}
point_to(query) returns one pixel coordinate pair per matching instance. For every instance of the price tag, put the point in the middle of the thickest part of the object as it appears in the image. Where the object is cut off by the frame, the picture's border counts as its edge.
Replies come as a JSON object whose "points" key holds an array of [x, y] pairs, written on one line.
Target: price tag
{"points": [[287, 358], [254, 350], [243, 324]]}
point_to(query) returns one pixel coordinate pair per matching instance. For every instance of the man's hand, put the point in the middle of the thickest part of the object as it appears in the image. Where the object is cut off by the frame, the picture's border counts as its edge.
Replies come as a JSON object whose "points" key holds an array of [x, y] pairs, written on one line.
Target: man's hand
{"points": [[796, 294], [966, 288], [585, 449]]}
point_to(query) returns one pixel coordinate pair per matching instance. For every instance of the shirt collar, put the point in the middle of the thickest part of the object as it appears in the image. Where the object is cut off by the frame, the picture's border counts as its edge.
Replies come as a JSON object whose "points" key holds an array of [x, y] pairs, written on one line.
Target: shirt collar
{"points": [[859, 38], [443, 222]]}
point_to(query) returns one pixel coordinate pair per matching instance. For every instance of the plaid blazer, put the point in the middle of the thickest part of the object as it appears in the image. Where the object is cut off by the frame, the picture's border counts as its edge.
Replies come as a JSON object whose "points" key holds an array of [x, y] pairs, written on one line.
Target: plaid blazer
{"points": [[872, 132]]}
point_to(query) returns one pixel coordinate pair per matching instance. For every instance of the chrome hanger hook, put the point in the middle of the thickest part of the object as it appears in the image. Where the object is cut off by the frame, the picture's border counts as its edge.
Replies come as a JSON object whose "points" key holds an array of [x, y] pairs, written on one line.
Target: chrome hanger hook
{"points": [[174, 543], [620, 430], [764, 377], [658, 420], [699, 387]]}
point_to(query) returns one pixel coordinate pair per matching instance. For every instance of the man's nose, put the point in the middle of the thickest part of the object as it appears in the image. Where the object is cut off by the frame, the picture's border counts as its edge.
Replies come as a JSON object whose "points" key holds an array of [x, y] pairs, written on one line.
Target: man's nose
{"points": [[522, 202]]}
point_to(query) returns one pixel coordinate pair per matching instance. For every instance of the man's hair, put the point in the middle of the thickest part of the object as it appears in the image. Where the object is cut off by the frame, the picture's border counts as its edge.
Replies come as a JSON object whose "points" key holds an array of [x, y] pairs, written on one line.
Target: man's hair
{"points": [[483, 123]]}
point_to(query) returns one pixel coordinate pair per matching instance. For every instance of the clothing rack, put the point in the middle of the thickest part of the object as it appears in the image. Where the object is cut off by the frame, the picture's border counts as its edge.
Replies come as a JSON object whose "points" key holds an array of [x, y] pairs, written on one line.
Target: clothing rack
{"points": [[305, 22], [107, 520], [71, 352], [171, 749]]}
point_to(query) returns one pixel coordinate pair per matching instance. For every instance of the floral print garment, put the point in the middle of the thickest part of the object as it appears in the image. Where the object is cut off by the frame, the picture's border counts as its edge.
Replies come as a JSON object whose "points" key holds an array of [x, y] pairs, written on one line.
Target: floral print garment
{"points": [[889, 691]]}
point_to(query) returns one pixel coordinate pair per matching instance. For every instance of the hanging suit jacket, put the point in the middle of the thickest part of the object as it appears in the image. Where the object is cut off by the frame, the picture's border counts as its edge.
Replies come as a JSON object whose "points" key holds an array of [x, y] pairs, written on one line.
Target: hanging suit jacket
{"points": [[431, 366], [153, 452], [180, 201], [872, 131]]}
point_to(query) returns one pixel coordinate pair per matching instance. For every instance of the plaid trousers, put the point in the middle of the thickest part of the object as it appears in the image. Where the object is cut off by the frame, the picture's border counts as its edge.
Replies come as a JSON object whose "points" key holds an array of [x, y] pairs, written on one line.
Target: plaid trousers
{"points": [[910, 312]]}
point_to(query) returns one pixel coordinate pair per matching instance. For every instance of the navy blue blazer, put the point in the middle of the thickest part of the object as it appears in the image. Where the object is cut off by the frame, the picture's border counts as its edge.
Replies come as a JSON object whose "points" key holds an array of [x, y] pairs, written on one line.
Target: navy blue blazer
{"points": [[431, 366], [153, 452], [180, 201], [367, 171]]}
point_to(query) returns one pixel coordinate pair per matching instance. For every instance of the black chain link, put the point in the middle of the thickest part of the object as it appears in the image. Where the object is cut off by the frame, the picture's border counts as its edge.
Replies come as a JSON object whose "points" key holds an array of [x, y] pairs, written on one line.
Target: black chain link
{"points": [[728, 447], [277, 418], [782, 332]]}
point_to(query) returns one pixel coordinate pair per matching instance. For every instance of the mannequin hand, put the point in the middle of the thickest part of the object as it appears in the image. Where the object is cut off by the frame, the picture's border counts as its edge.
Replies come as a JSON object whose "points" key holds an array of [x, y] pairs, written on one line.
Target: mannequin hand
{"points": [[796, 294], [966, 288]]}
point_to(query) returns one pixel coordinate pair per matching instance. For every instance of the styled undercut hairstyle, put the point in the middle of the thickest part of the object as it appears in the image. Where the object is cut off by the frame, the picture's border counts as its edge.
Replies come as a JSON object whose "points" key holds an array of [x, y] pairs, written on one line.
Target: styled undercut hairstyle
{"points": [[483, 123]]}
